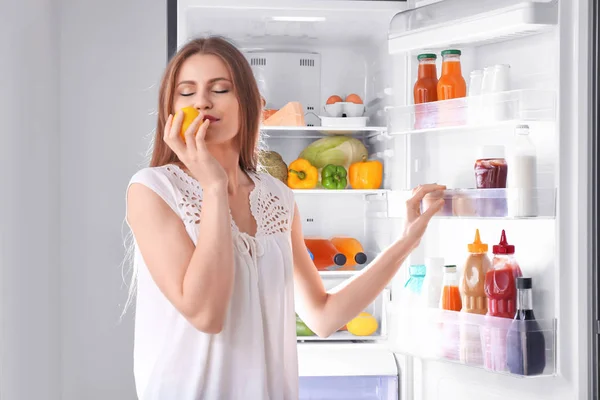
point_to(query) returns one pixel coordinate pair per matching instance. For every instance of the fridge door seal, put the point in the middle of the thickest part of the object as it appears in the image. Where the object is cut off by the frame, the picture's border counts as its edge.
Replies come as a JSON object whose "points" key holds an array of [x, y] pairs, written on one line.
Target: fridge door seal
{"points": [[171, 28], [594, 200]]}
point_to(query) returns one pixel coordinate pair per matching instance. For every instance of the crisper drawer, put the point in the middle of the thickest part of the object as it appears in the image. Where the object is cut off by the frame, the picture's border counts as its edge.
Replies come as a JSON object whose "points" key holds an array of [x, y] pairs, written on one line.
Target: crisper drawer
{"points": [[349, 388], [347, 371]]}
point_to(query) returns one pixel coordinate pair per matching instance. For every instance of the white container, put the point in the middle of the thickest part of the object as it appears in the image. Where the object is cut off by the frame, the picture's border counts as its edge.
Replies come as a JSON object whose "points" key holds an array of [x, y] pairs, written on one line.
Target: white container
{"points": [[501, 78], [487, 80], [522, 179], [432, 284], [474, 94], [358, 122], [353, 110], [334, 110], [475, 82]]}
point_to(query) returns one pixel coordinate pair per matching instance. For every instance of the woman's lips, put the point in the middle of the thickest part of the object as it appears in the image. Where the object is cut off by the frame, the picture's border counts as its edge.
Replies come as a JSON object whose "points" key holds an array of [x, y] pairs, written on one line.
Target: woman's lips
{"points": [[211, 118]]}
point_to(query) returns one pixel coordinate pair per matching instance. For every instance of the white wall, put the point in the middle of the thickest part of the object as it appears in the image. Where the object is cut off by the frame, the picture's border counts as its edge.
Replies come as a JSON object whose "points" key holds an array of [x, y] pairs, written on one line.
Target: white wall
{"points": [[112, 55], [29, 201]]}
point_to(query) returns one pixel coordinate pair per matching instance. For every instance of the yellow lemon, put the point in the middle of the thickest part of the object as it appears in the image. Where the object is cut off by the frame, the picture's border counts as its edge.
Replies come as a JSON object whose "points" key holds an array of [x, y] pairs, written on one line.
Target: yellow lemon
{"points": [[363, 325], [189, 115]]}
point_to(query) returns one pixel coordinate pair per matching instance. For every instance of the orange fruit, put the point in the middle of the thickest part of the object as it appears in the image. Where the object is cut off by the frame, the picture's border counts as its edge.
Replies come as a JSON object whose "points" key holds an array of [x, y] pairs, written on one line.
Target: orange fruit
{"points": [[334, 99], [189, 115], [354, 98]]}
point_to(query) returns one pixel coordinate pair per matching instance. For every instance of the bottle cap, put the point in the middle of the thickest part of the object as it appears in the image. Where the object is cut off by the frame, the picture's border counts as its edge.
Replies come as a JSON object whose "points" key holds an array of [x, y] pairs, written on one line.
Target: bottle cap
{"points": [[426, 55], [477, 246], [449, 268], [524, 283], [360, 258], [450, 52], [416, 270], [339, 259], [503, 247], [491, 152], [476, 72]]}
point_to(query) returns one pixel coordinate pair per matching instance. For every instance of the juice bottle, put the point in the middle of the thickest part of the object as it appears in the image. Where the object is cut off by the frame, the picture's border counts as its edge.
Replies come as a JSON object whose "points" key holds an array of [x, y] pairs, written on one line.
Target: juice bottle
{"points": [[525, 342], [425, 89], [451, 84], [351, 249], [501, 291], [474, 300], [324, 252], [450, 300]]}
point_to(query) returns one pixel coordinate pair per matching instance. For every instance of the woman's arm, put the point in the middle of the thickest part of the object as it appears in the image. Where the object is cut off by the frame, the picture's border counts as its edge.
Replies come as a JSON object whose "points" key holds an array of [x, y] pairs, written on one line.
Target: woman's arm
{"points": [[198, 285], [326, 312]]}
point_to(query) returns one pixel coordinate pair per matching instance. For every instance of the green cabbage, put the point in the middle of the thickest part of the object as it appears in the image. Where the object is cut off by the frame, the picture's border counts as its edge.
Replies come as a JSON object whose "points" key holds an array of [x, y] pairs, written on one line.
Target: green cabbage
{"points": [[336, 150]]}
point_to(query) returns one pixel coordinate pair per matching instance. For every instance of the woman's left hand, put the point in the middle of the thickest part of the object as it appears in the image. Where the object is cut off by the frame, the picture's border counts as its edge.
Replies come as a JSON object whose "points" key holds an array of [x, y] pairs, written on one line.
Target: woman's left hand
{"points": [[416, 222]]}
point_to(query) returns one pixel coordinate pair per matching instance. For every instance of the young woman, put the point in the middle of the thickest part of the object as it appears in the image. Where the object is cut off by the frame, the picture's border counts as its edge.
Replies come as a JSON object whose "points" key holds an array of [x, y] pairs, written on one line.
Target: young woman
{"points": [[219, 251]]}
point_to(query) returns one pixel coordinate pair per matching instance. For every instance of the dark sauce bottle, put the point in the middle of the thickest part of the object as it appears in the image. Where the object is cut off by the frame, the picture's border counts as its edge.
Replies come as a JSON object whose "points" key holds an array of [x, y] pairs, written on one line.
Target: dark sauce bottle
{"points": [[525, 342]]}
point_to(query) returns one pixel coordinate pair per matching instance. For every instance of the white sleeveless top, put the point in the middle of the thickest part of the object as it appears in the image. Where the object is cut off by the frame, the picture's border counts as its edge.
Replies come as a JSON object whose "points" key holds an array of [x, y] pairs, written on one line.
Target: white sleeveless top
{"points": [[255, 355]]}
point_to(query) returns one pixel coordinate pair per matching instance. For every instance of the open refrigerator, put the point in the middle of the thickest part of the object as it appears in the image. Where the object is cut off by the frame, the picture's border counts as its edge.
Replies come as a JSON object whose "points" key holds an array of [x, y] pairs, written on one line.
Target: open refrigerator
{"points": [[307, 51]]}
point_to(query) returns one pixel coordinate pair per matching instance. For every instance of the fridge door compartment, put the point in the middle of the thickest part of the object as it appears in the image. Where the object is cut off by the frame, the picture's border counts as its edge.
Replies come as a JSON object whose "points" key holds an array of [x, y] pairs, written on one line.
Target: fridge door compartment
{"points": [[474, 112], [499, 345], [349, 388], [536, 203], [377, 309], [469, 23]]}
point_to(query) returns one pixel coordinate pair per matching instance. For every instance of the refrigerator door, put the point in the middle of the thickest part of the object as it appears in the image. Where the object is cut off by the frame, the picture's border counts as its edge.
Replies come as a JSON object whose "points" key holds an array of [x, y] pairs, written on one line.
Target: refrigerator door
{"points": [[526, 32]]}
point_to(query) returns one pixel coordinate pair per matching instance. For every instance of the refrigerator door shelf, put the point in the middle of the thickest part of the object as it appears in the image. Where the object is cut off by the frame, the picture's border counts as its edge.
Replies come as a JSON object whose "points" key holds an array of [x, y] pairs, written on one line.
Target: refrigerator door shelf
{"points": [[482, 112], [504, 204], [469, 23], [475, 340]]}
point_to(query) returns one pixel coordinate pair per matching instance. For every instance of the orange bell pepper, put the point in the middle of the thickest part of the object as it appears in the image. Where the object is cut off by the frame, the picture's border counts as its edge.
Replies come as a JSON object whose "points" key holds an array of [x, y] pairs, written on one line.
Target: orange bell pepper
{"points": [[366, 174], [302, 175]]}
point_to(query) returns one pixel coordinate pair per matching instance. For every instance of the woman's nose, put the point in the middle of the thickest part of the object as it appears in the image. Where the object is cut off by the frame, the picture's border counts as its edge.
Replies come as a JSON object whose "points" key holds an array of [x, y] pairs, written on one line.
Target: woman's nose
{"points": [[202, 102]]}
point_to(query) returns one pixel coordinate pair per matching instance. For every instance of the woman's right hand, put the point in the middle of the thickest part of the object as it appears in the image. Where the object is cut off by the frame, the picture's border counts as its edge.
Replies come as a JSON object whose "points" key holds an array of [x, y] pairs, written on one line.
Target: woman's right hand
{"points": [[193, 153], [416, 222]]}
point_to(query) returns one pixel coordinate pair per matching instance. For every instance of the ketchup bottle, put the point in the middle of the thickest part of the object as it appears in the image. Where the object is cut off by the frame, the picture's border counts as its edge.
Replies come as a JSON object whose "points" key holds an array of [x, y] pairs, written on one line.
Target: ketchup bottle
{"points": [[501, 291], [500, 286]]}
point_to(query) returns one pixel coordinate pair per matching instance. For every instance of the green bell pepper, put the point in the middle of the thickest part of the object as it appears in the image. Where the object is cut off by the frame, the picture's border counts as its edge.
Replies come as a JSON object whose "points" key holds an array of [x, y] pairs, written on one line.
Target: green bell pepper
{"points": [[302, 329], [334, 177]]}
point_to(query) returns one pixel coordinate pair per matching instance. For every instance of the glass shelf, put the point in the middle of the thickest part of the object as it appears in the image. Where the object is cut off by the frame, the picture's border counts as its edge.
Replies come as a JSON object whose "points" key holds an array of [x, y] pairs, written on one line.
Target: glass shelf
{"points": [[315, 132]]}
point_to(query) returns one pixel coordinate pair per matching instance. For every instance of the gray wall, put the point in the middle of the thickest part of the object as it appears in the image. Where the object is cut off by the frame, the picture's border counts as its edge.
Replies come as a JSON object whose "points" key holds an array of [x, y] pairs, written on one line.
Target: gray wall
{"points": [[77, 88], [112, 55], [29, 201]]}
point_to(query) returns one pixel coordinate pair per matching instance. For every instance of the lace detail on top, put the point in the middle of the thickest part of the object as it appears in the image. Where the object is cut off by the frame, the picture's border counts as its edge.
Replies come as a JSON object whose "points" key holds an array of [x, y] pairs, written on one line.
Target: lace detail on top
{"points": [[270, 211]]}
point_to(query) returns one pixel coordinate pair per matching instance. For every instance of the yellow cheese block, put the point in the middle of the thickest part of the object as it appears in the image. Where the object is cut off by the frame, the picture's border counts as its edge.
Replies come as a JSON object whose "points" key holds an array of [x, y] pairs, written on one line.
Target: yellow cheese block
{"points": [[289, 115]]}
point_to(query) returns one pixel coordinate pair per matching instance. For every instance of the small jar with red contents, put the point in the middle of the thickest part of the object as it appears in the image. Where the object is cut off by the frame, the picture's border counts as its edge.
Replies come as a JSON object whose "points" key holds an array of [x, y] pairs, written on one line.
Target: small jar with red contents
{"points": [[491, 171]]}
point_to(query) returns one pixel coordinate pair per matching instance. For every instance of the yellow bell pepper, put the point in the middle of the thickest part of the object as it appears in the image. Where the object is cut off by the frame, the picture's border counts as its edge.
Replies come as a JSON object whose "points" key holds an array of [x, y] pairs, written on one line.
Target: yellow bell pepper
{"points": [[302, 175], [366, 174]]}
